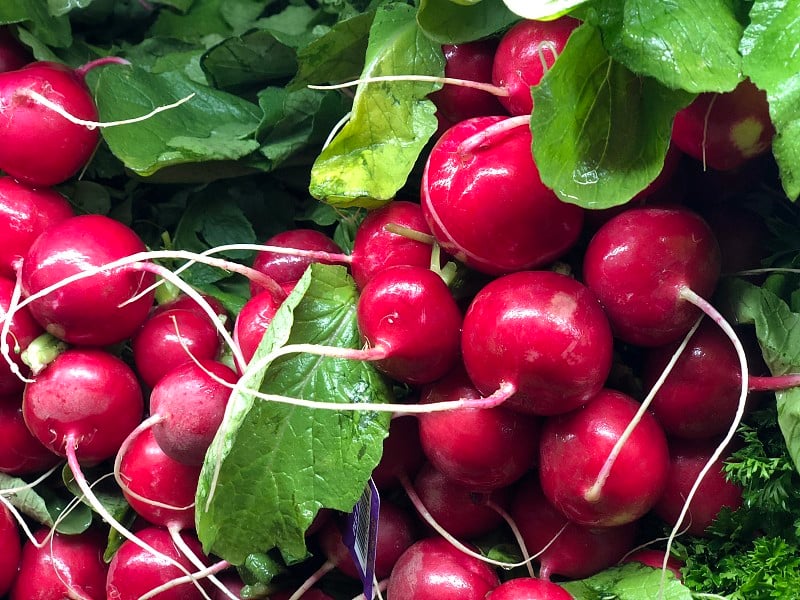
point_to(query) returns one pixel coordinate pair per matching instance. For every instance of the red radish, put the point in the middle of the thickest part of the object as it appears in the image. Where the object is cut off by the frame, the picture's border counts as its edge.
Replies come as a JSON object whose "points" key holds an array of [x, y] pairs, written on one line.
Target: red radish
{"points": [[402, 453], [13, 55], [88, 311], [432, 569], [22, 330], [480, 448], [86, 397], [485, 203], [28, 127], [687, 458], [725, 130], [20, 452], [12, 550], [66, 566], [655, 559], [410, 321], [253, 320], [527, 588], [524, 55], [190, 404], [563, 547], [170, 339], [543, 333], [574, 450], [642, 263], [25, 212]]}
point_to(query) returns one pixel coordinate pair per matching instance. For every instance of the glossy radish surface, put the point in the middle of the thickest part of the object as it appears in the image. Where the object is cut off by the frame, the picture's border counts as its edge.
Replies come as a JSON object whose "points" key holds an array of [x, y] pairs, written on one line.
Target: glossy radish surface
{"points": [[487, 206], [22, 331], [12, 550], [86, 393], [543, 332], [20, 452], [253, 320], [28, 126], [574, 448], [527, 588], [88, 311], [638, 263]]}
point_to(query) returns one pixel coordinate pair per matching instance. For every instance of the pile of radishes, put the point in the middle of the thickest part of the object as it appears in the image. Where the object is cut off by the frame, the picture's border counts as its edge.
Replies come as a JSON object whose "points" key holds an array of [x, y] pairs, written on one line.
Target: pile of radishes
{"points": [[517, 424]]}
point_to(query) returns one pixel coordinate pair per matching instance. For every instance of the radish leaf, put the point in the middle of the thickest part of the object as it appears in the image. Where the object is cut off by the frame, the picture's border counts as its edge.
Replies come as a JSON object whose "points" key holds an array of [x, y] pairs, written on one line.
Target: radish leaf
{"points": [[629, 582], [447, 22]]}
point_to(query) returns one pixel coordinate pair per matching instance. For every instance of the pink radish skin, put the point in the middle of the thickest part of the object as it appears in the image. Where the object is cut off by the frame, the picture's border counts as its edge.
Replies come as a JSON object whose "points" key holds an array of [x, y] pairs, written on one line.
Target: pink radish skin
{"points": [[69, 566], [432, 569], [410, 315], [402, 453], [575, 447], [20, 452], [487, 206], [577, 551], [190, 404], [253, 320], [29, 127], [12, 550], [25, 212], [638, 265], [687, 458], [525, 53], [88, 311], [134, 571], [79, 395], [23, 330], [480, 448], [542, 332], [13, 55], [171, 338], [529, 589]]}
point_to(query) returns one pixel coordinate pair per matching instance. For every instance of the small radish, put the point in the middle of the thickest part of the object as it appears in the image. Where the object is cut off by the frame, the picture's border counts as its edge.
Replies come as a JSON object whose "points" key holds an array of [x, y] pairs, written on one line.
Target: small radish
{"points": [[402, 453], [574, 451], [88, 311], [12, 550], [527, 588], [23, 329], [253, 320], [432, 569], [485, 203], [20, 452], [65, 566], [25, 212], [542, 333], [13, 55]]}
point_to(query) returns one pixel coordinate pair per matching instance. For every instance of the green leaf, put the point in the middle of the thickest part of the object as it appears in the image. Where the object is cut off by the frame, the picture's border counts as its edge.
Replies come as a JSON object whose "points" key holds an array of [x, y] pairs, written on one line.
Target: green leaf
{"points": [[59, 8], [542, 10], [212, 126], [449, 23], [223, 18], [280, 464], [46, 506], [685, 44], [629, 582], [600, 132], [370, 159], [109, 495], [771, 60], [53, 30]]}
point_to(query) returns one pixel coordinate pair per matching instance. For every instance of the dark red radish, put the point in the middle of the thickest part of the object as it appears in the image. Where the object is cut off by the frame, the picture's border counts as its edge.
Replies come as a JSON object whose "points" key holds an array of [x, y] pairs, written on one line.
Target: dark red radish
{"points": [[20, 452], [134, 571], [640, 265], [687, 459], [88, 311], [655, 559], [543, 333], [253, 320], [12, 550], [22, 330], [376, 248], [525, 53], [171, 338], [485, 203], [67, 566], [190, 403], [480, 448], [460, 510], [25, 212], [13, 55], [470, 61], [742, 235], [432, 569], [408, 315], [87, 397], [575, 448], [725, 130], [527, 588], [402, 453], [286, 268], [564, 547], [40, 146]]}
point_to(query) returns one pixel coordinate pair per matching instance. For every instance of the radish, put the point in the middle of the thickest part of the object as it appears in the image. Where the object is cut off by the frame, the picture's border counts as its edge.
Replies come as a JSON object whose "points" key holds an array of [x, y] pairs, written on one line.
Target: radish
{"points": [[542, 334], [88, 311], [25, 212], [184, 302], [22, 330], [525, 53], [432, 569], [253, 320], [574, 451], [65, 566], [485, 203], [13, 55], [725, 130], [527, 588], [171, 338], [402, 453], [655, 559], [12, 550], [20, 452]]}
